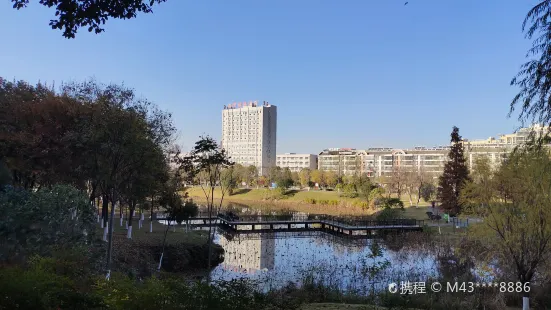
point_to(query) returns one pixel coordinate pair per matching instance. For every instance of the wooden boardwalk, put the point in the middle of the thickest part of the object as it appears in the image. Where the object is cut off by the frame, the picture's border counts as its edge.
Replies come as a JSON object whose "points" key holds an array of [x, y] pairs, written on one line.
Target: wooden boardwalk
{"points": [[345, 226]]}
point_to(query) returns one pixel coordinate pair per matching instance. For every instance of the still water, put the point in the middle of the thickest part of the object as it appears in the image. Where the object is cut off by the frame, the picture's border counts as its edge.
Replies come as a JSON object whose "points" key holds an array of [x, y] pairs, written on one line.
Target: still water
{"points": [[275, 259]]}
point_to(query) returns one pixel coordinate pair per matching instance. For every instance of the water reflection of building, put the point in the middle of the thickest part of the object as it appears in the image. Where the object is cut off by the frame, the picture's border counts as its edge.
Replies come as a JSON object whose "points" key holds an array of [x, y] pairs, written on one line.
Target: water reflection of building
{"points": [[248, 253]]}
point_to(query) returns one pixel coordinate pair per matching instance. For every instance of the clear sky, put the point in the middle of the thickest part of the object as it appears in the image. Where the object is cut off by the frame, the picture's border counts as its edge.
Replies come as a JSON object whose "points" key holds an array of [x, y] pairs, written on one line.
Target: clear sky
{"points": [[354, 73]]}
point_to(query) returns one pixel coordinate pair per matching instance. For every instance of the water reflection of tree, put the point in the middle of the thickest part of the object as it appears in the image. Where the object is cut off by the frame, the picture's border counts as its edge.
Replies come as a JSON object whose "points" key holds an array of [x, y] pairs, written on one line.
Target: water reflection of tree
{"points": [[453, 265]]}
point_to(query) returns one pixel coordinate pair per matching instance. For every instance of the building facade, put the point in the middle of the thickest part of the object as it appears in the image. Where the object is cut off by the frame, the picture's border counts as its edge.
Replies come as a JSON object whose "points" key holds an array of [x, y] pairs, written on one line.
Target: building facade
{"points": [[249, 134], [343, 161], [296, 162], [380, 162]]}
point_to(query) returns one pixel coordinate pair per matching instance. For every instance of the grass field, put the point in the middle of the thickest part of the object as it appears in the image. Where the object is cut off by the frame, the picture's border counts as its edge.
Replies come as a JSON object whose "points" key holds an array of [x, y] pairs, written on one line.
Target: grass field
{"points": [[297, 201], [156, 237]]}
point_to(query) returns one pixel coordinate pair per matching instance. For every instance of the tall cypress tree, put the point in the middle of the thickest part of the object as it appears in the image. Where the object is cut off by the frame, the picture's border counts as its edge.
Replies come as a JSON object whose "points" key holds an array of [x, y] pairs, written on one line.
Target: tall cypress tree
{"points": [[454, 177]]}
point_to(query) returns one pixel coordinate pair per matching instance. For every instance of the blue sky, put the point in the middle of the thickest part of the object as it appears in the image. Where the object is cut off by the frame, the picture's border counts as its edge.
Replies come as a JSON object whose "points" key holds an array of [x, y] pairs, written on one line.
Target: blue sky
{"points": [[355, 73]]}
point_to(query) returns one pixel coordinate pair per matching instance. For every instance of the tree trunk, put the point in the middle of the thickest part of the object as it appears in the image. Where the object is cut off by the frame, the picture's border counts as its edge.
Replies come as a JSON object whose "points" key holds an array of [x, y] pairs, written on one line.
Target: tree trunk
{"points": [[163, 251], [525, 303], [129, 223], [151, 216], [105, 216], [110, 246], [126, 209], [120, 214]]}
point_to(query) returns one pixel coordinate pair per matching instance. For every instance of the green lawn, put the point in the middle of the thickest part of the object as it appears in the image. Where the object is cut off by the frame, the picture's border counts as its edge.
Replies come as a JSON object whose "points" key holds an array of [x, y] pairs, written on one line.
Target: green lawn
{"points": [[156, 237]]}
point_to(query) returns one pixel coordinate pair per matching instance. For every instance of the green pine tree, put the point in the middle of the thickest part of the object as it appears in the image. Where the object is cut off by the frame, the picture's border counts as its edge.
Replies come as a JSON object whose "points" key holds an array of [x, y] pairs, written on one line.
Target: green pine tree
{"points": [[454, 177]]}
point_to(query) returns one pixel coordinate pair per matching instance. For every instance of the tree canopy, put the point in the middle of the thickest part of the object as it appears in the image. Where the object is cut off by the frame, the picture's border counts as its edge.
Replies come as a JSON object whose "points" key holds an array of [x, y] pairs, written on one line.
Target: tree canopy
{"points": [[70, 15], [456, 174]]}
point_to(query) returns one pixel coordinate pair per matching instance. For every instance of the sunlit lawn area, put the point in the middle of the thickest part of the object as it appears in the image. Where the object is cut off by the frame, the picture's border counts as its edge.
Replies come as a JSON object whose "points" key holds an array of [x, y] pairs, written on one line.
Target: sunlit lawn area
{"points": [[297, 200]]}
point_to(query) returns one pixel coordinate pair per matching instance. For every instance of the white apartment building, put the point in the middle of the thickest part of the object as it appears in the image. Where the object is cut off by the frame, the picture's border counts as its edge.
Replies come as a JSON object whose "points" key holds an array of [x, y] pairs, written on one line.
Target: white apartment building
{"points": [[249, 134], [343, 161], [296, 162], [383, 161]]}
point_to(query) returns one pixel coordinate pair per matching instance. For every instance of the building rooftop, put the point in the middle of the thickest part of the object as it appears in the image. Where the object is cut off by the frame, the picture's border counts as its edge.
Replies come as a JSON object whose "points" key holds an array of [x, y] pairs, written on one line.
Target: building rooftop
{"points": [[245, 104]]}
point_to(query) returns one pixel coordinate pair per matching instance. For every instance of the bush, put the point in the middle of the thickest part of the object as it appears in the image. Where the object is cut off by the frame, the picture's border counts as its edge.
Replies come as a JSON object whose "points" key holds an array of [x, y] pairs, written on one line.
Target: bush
{"points": [[333, 202], [311, 201], [349, 190], [37, 222], [389, 214], [40, 287], [391, 203]]}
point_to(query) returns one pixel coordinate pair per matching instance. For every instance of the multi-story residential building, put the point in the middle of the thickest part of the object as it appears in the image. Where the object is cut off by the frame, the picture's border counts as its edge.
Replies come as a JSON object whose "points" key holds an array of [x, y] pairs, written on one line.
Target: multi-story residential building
{"points": [[249, 134], [296, 162], [343, 161], [385, 161]]}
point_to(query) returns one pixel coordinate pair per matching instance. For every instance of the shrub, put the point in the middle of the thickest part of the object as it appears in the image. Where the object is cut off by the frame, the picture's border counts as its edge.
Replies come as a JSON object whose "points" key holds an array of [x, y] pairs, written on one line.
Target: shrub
{"points": [[392, 203], [311, 201], [333, 202], [36, 222], [389, 214], [40, 287], [349, 190], [323, 202]]}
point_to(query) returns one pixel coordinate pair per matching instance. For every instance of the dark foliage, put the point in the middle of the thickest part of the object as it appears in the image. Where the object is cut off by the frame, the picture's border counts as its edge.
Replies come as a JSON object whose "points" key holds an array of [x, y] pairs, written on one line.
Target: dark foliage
{"points": [[533, 77], [73, 14], [456, 174]]}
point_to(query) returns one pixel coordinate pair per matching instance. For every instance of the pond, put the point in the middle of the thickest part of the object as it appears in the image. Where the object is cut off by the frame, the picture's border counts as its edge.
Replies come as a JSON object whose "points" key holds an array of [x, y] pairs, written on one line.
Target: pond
{"points": [[275, 259], [361, 266]]}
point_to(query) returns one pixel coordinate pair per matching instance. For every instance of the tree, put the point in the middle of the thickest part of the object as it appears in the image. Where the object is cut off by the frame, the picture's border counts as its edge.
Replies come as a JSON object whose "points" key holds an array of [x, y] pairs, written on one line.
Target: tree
{"points": [[428, 192], [5, 177], [392, 209], [141, 183], [39, 135], [262, 181], [252, 175], [240, 174], [174, 204], [190, 209], [478, 192], [274, 174], [517, 199], [317, 176], [284, 181], [304, 176], [229, 179], [72, 15], [206, 157], [397, 180], [414, 180], [532, 79], [296, 178], [331, 179], [365, 189], [455, 175]]}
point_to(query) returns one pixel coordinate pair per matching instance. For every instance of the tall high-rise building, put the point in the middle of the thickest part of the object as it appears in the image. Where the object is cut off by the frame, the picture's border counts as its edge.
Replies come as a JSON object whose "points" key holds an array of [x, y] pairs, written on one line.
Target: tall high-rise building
{"points": [[249, 134]]}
